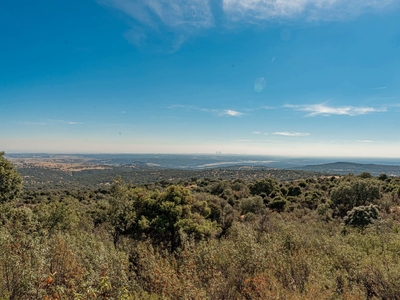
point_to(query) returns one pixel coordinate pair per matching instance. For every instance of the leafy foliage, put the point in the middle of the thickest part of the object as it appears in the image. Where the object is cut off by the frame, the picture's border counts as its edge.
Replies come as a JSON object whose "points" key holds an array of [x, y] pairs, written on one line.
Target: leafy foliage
{"points": [[278, 204], [160, 216], [354, 193], [252, 204], [361, 216], [266, 186], [10, 180]]}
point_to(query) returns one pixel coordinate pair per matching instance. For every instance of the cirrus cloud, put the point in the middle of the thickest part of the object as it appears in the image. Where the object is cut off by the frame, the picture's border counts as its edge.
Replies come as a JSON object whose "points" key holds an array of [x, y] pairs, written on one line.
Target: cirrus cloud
{"points": [[325, 110], [225, 112], [254, 11], [176, 20], [167, 20], [172, 13], [285, 133], [231, 113], [364, 141]]}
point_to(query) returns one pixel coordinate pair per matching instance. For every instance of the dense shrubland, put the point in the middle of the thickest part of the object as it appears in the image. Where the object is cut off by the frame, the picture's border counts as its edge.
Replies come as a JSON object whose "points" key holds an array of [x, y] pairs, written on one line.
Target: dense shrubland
{"points": [[45, 178], [318, 238]]}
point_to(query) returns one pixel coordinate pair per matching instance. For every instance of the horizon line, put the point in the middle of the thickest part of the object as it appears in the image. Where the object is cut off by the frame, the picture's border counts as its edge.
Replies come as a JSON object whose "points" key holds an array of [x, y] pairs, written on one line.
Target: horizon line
{"points": [[217, 154]]}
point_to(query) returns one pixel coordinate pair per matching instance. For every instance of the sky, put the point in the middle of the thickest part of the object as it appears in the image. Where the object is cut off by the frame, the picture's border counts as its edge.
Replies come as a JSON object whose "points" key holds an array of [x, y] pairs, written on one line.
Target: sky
{"points": [[270, 77]]}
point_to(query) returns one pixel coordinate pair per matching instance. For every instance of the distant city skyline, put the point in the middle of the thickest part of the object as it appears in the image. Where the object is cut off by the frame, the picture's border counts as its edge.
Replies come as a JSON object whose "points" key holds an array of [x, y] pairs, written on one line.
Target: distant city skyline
{"points": [[259, 77]]}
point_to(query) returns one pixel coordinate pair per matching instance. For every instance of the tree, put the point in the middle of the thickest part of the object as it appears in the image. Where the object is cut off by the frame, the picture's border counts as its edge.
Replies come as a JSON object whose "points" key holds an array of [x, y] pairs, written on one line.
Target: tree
{"points": [[383, 177], [354, 193], [365, 175], [294, 191], [267, 186], [10, 180], [162, 217], [278, 204], [362, 216], [252, 204], [176, 210], [127, 205]]}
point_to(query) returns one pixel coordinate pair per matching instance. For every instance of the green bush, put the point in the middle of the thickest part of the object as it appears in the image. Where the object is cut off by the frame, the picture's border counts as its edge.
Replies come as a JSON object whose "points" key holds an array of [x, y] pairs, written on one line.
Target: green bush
{"points": [[354, 193], [252, 204], [362, 216], [10, 181], [278, 204]]}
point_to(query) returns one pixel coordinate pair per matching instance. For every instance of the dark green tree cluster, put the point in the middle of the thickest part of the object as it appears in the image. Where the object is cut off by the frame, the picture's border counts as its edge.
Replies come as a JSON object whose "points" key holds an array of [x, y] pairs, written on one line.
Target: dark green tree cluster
{"points": [[10, 180], [362, 216], [357, 192], [161, 216]]}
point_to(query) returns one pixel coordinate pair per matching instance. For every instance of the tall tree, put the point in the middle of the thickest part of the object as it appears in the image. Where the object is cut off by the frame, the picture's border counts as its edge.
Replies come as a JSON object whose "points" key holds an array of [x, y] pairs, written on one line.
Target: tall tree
{"points": [[359, 192], [10, 180]]}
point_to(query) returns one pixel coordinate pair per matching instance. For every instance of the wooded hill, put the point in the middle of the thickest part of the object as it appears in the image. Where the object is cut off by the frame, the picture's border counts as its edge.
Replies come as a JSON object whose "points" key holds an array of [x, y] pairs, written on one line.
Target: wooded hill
{"points": [[45, 178], [344, 168]]}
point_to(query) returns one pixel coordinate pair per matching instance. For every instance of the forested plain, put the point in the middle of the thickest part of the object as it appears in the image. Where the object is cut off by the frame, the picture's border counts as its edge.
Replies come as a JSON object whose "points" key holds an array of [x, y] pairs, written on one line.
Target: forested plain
{"points": [[317, 237]]}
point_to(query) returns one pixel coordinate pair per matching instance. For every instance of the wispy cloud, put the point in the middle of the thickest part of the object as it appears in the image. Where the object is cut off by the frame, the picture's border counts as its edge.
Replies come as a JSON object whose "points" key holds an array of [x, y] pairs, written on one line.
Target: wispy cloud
{"points": [[325, 110], [225, 112], [285, 133], [256, 11], [55, 121], [231, 113], [364, 141], [256, 141], [172, 13], [156, 17], [73, 123], [174, 21], [33, 123], [256, 132], [51, 122]]}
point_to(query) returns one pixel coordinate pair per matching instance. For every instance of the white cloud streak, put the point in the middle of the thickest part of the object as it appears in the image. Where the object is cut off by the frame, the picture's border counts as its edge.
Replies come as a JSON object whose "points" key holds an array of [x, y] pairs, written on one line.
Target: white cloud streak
{"points": [[231, 113], [33, 123], [285, 133], [256, 11], [364, 141], [324, 110], [256, 141], [73, 123], [175, 20], [51, 122], [172, 13], [182, 18], [226, 112]]}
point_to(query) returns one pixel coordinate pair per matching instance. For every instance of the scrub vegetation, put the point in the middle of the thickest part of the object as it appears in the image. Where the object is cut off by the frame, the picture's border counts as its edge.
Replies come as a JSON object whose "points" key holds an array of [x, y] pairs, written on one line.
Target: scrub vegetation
{"points": [[317, 238]]}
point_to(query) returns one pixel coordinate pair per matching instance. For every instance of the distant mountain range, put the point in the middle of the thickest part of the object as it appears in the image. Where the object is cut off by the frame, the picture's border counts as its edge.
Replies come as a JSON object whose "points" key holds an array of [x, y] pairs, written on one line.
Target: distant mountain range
{"points": [[342, 168]]}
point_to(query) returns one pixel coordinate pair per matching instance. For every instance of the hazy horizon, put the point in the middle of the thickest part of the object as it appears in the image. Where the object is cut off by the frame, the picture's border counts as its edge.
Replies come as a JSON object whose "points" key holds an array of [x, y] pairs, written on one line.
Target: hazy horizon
{"points": [[314, 159], [278, 154]]}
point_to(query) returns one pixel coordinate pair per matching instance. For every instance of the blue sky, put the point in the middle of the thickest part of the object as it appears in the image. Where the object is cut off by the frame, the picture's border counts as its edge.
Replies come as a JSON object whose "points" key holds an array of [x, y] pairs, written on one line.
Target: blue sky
{"points": [[287, 77]]}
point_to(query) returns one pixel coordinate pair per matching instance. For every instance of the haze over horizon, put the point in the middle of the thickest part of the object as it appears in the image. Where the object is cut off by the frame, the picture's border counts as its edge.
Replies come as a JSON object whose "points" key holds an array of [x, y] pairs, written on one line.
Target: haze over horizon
{"points": [[259, 77]]}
